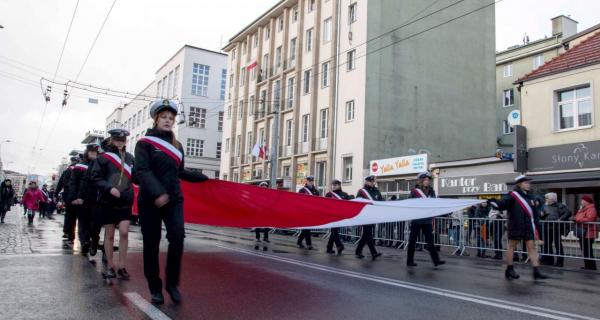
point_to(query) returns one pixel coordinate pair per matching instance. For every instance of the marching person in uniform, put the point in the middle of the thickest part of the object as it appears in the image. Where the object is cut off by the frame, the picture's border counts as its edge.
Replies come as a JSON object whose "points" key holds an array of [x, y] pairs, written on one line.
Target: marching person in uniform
{"points": [[308, 189], [336, 193], [523, 224], [112, 175], [265, 231], [423, 189], [369, 192], [159, 167], [70, 211], [78, 188]]}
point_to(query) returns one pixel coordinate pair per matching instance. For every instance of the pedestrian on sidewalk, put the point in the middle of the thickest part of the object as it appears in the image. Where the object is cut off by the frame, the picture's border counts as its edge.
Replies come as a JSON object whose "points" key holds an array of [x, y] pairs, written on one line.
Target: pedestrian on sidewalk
{"points": [[264, 231], [70, 219], [482, 228], [45, 204], [32, 199], [334, 237], [369, 192], [7, 197], [555, 214], [586, 230], [523, 224], [423, 189], [308, 189], [112, 175], [159, 168]]}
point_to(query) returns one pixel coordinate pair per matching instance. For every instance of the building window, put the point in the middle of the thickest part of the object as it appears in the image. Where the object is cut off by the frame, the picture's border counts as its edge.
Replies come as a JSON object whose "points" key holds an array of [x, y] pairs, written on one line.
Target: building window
{"points": [[267, 33], [574, 108], [223, 83], [139, 117], [508, 98], [241, 110], [305, 125], [327, 30], [325, 75], [347, 168], [227, 145], [290, 93], [145, 112], [255, 41], [506, 128], [251, 106], [351, 60], [350, 111], [288, 132], [320, 173], [265, 67], [352, 13], [133, 122], [292, 52], [220, 124], [228, 112], [286, 171], [233, 54], [242, 76], [158, 86], [243, 48], [164, 92], [200, 80], [175, 81], [508, 70], [280, 24], [307, 75], [309, 40], [194, 148], [276, 95], [218, 155], [238, 142], [294, 14], [323, 124], [310, 5], [278, 58], [170, 85], [197, 118], [538, 61], [249, 145], [263, 101]]}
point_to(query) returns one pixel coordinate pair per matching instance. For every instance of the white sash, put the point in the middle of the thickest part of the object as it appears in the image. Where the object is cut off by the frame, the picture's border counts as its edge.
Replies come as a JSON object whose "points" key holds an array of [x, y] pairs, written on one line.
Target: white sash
{"points": [[420, 193], [116, 161], [308, 191], [367, 194], [335, 195], [166, 147], [527, 208]]}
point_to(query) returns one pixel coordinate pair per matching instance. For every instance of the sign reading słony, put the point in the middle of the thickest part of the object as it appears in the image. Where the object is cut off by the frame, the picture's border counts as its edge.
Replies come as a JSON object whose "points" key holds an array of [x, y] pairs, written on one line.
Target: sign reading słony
{"points": [[399, 166]]}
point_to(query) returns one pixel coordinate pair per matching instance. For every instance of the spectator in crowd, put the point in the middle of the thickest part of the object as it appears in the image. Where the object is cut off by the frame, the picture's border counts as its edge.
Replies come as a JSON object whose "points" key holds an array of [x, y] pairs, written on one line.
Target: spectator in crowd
{"points": [[554, 214], [456, 226], [481, 230], [586, 231], [7, 196], [496, 226]]}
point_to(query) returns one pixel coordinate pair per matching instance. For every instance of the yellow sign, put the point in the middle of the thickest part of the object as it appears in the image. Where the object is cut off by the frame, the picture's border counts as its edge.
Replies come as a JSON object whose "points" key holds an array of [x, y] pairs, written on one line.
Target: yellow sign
{"points": [[301, 172]]}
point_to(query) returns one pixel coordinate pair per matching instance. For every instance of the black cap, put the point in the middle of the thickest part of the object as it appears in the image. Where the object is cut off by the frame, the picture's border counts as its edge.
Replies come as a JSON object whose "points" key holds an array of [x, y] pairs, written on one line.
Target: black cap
{"points": [[310, 178], [336, 182], [370, 178], [75, 159], [118, 133], [92, 147]]}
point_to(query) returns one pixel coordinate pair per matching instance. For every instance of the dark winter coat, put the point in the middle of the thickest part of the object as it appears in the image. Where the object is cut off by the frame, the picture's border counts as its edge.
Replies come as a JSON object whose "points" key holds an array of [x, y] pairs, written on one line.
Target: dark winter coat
{"points": [[157, 173], [63, 184], [106, 176], [77, 188], [430, 194], [313, 190], [519, 222], [373, 193], [340, 193], [556, 212], [7, 196]]}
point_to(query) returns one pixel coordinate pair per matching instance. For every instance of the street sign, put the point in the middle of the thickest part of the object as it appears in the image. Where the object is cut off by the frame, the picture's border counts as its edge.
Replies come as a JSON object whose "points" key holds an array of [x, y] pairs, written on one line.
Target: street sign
{"points": [[514, 118]]}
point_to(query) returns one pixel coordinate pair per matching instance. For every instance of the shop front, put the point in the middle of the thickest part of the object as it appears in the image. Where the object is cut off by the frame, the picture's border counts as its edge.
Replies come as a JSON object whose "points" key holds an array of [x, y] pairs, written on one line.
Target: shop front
{"points": [[570, 170], [396, 176]]}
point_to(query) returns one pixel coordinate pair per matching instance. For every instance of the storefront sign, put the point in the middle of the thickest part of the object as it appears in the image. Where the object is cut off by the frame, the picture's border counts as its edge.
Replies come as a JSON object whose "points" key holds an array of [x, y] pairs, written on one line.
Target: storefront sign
{"points": [[475, 185], [585, 155], [301, 173], [399, 166]]}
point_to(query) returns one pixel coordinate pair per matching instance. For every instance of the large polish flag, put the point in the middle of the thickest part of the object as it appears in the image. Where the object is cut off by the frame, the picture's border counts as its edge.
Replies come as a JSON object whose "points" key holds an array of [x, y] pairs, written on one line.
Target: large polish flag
{"points": [[228, 204]]}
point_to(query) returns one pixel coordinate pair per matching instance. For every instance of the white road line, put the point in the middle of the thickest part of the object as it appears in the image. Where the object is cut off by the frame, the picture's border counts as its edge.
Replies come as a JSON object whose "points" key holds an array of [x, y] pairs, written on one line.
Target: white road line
{"points": [[497, 303], [146, 307]]}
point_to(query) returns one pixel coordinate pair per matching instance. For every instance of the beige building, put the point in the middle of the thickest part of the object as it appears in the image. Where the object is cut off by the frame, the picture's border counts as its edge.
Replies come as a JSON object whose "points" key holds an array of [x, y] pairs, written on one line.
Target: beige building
{"points": [[561, 113], [349, 86]]}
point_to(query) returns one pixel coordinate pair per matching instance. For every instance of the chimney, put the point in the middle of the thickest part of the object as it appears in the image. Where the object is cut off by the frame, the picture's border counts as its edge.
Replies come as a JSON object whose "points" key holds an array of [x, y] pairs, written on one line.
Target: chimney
{"points": [[564, 25]]}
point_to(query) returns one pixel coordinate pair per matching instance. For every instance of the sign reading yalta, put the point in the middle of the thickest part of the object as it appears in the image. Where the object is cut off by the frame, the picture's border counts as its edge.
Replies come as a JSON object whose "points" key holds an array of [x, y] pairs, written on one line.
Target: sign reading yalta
{"points": [[399, 166]]}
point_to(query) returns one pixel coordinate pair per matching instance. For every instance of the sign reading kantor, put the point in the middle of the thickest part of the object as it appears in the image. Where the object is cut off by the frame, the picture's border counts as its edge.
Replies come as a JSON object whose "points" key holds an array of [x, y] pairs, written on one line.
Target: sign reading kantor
{"points": [[584, 155], [475, 185]]}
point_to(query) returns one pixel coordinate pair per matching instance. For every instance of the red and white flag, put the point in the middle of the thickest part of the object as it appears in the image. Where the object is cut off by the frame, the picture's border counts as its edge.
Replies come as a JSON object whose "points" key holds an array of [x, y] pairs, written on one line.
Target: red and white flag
{"points": [[260, 151]]}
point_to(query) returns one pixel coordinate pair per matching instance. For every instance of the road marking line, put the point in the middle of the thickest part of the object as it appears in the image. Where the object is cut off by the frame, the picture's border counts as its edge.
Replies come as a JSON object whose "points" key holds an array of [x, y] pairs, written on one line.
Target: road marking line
{"points": [[146, 307], [493, 302]]}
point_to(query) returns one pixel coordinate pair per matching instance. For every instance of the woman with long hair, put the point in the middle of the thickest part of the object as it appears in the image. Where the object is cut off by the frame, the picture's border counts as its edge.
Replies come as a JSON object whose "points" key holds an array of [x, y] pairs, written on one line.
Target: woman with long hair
{"points": [[111, 173], [159, 168]]}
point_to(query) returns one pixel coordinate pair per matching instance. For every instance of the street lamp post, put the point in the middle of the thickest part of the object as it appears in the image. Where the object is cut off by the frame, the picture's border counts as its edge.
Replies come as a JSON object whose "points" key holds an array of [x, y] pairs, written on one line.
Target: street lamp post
{"points": [[1, 167]]}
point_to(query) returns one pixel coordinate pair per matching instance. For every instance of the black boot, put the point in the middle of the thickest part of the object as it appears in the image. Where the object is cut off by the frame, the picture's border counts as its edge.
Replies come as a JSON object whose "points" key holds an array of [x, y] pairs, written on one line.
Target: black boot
{"points": [[537, 275], [175, 294], [510, 273], [157, 298]]}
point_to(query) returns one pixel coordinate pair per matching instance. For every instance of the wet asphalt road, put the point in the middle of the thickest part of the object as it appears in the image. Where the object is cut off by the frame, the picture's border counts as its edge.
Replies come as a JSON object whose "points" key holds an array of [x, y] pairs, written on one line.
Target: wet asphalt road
{"points": [[226, 277]]}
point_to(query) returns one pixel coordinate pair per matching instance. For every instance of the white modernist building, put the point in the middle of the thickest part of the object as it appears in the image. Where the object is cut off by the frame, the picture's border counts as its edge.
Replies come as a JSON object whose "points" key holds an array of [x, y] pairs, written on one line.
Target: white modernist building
{"points": [[194, 77]]}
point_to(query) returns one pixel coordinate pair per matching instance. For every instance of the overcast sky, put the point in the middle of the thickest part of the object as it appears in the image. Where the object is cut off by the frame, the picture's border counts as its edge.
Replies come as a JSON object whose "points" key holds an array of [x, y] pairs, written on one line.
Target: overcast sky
{"points": [[138, 37]]}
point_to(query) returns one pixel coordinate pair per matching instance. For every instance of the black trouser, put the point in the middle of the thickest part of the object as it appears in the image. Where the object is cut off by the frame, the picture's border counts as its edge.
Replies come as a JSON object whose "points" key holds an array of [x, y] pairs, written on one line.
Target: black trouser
{"points": [[265, 232], [151, 219], [70, 221], [587, 247], [366, 238], [2, 214], [305, 235], [497, 229], [30, 215], [427, 230], [95, 224], [552, 236], [84, 223], [334, 238]]}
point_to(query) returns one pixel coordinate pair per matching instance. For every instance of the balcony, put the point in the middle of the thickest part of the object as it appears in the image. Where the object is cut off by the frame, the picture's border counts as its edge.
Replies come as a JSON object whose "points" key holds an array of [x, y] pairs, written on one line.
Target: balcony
{"points": [[303, 147], [286, 151], [235, 161], [320, 144]]}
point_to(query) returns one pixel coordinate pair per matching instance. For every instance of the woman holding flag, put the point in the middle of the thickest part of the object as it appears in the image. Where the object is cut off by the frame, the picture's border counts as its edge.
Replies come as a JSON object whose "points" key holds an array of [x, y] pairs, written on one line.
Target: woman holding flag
{"points": [[523, 224], [111, 173], [159, 168]]}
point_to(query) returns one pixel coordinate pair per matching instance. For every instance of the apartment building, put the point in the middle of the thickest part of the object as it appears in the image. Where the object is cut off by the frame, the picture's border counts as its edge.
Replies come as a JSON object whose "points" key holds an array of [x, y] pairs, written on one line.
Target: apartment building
{"points": [[353, 81], [194, 77]]}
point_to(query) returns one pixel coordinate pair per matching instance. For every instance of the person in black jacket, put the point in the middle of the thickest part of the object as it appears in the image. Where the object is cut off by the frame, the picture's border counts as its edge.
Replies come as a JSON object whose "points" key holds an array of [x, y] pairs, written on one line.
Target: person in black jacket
{"points": [[423, 189], [78, 188], [112, 174], [334, 238], [369, 192], [70, 212], [308, 189], [264, 231], [556, 214], [7, 197], [523, 224], [159, 168]]}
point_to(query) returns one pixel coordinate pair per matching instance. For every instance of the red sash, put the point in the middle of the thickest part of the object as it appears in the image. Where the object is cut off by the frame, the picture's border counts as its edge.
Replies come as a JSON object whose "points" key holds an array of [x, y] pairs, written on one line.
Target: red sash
{"points": [[116, 161], [420, 193], [165, 147], [527, 208], [81, 167]]}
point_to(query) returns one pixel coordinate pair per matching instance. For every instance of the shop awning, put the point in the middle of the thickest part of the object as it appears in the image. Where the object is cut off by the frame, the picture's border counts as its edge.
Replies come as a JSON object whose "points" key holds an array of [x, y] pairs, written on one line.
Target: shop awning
{"points": [[567, 180]]}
